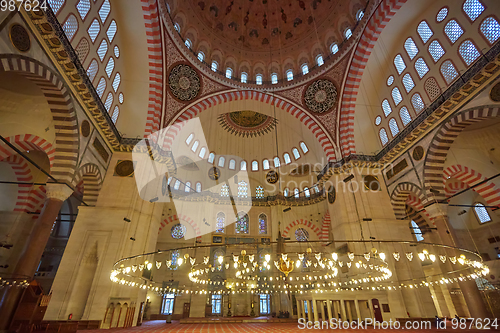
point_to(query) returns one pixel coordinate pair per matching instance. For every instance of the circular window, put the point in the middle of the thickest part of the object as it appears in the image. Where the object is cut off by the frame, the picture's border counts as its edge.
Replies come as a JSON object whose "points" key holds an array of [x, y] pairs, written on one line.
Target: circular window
{"points": [[390, 80], [301, 235], [442, 14], [178, 231], [378, 120], [120, 98], [371, 183]]}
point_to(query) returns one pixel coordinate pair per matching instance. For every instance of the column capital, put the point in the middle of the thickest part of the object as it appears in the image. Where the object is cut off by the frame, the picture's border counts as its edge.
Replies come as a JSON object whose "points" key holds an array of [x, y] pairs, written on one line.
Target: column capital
{"points": [[436, 209], [58, 191]]}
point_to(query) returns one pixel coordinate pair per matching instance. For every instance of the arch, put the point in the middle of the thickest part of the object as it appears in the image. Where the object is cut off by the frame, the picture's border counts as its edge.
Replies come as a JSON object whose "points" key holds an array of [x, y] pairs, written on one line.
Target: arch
{"points": [[308, 224], [23, 174], [442, 141], [27, 142], [194, 110], [406, 193], [64, 115], [377, 22], [325, 227], [470, 177], [176, 219], [454, 187], [90, 177]]}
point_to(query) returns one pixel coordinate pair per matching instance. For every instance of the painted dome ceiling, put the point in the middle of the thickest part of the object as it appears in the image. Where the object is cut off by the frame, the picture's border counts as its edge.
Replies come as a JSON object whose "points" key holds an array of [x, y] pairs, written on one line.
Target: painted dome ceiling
{"points": [[247, 123]]}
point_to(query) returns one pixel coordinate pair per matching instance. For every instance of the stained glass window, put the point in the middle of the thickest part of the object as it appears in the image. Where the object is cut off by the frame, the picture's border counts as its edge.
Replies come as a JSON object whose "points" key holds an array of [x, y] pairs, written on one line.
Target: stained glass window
{"points": [[242, 189], [468, 52], [201, 56], [110, 67], [386, 107], [449, 71], [111, 32], [396, 96], [417, 102], [453, 30], [305, 69], [175, 257], [424, 31], [490, 29], [224, 190], [116, 81], [55, 5], [411, 48], [220, 223], [262, 223], [177, 27], [296, 193], [286, 158], [93, 30], [405, 115], [116, 113], [408, 82], [232, 164], [301, 235], [177, 184], [393, 125], [70, 26], [307, 193], [276, 162], [211, 158], [229, 72], [103, 49], [265, 164], [101, 86], [214, 66], [178, 231], [189, 138], [436, 50], [304, 147], [108, 102], [92, 70], [383, 136], [83, 7], [296, 153], [360, 15], [421, 67], [274, 78], [286, 192], [378, 120], [259, 192], [399, 63], [319, 60], [243, 166], [104, 10], [416, 231], [390, 80], [289, 75], [195, 146], [473, 8], [202, 153], [187, 187], [242, 223], [244, 77], [482, 213], [334, 48], [347, 33], [255, 166], [258, 79], [222, 161], [442, 14], [198, 187]]}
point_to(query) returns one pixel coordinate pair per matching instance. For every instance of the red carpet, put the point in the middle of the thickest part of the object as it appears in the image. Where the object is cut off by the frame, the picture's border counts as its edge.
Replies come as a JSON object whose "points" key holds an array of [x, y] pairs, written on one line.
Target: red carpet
{"points": [[159, 326]]}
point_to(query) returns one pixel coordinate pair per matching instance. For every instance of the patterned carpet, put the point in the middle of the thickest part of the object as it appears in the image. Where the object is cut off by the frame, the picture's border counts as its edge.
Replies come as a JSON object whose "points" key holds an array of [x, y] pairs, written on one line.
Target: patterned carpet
{"points": [[159, 326]]}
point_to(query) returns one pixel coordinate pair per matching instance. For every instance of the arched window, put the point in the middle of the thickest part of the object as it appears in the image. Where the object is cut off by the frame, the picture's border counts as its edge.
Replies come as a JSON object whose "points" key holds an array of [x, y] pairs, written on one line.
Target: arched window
{"points": [[70, 26], [276, 162], [202, 153], [232, 164], [116, 81], [177, 184], [82, 49], [55, 5], [101, 86], [416, 231], [189, 138], [242, 189], [195, 146], [441, 15], [481, 213], [92, 70], [116, 113], [468, 52], [243, 166], [111, 32], [421, 67], [83, 8], [334, 48], [258, 79], [110, 67], [229, 72], [307, 193], [319, 60], [359, 15], [448, 71], [220, 222], [177, 27], [383, 136], [453, 30], [296, 193], [198, 187], [244, 77], [175, 257], [301, 235], [347, 33], [473, 8], [187, 187], [436, 50], [490, 29], [417, 102], [242, 223], [304, 147], [265, 164], [396, 96], [259, 192], [262, 223], [103, 49], [408, 82], [222, 161], [404, 114], [201, 56], [399, 63], [274, 78], [287, 159], [187, 42], [424, 31], [305, 69], [393, 126], [296, 153], [211, 158], [289, 75], [104, 10], [286, 192], [224, 190], [255, 166], [214, 66], [108, 102], [411, 48]]}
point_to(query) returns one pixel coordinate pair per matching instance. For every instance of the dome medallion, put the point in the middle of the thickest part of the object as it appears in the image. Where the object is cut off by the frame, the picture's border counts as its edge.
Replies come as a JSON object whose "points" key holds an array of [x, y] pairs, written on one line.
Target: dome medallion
{"points": [[320, 96], [184, 82]]}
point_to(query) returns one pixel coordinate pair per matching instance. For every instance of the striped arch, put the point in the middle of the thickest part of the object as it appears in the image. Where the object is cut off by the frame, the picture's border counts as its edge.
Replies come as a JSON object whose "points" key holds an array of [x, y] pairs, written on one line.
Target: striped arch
{"points": [[210, 101], [27, 142], [382, 15], [325, 227], [454, 186], [488, 190], [23, 174], [403, 194], [153, 32], [89, 182], [442, 141], [173, 219], [419, 219], [63, 113], [314, 228]]}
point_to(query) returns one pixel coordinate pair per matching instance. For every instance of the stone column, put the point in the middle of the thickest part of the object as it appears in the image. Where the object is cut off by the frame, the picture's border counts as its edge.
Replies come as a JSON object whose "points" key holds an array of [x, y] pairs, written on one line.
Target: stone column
{"points": [[473, 299], [329, 309], [33, 249], [342, 310], [298, 308], [303, 310], [336, 309], [309, 311], [358, 313], [349, 312], [315, 308], [322, 309]]}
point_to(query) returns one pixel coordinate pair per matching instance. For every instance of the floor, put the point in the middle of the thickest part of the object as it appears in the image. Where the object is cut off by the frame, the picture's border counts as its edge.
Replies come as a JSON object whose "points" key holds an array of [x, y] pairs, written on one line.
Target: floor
{"points": [[159, 326]]}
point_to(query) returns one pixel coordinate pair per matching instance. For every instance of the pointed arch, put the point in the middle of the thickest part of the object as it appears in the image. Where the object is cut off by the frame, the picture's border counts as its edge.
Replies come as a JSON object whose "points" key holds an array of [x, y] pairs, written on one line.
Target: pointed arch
{"points": [[176, 219], [403, 194], [306, 223], [90, 177]]}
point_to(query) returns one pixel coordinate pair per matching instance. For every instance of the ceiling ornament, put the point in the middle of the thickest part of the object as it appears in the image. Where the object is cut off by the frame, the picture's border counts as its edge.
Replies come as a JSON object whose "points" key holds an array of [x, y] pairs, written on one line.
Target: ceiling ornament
{"points": [[320, 96], [247, 123], [184, 82], [272, 177]]}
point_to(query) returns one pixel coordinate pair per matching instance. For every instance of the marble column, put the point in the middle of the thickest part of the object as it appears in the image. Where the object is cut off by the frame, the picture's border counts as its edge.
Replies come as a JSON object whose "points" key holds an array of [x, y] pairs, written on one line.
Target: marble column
{"points": [[342, 310], [298, 308], [309, 311], [349, 311], [329, 309], [303, 310], [32, 252], [358, 313], [315, 309], [322, 309], [336, 309]]}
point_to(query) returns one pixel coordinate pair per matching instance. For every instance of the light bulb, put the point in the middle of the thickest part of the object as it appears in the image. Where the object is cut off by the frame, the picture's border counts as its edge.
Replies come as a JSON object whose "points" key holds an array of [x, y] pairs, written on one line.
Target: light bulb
{"points": [[180, 261], [432, 257], [297, 263], [335, 256], [235, 265], [220, 259], [267, 257], [421, 256], [382, 256]]}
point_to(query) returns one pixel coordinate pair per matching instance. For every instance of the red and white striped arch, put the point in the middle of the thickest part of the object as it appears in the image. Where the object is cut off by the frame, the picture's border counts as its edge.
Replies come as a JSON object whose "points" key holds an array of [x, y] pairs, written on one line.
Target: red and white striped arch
{"points": [[234, 95], [153, 32], [454, 186], [174, 219], [382, 15], [27, 142], [325, 227], [302, 222]]}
